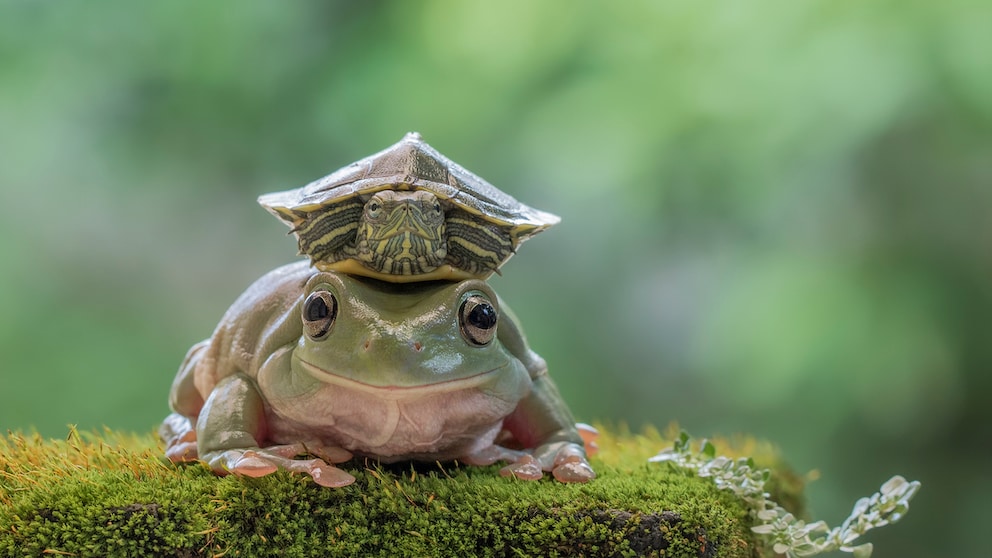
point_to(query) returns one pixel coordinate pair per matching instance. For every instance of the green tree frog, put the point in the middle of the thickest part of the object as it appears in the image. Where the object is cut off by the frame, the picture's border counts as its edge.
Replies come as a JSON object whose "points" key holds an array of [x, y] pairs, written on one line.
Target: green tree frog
{"points": [[309, 368]]}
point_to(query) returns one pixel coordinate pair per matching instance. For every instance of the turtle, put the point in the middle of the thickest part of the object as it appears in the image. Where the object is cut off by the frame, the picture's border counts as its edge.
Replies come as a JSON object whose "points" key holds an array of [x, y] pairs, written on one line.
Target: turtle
{"points": [[405, 214]]}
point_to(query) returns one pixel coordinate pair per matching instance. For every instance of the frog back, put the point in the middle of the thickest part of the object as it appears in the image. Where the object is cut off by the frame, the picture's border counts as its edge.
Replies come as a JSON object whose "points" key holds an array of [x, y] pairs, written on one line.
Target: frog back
{"points": [[262, 320]]}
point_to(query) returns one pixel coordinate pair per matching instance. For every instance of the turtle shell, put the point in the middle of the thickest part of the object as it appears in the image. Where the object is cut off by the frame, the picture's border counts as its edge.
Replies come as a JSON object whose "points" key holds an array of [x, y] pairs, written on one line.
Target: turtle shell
{"points": [[483, 226]]}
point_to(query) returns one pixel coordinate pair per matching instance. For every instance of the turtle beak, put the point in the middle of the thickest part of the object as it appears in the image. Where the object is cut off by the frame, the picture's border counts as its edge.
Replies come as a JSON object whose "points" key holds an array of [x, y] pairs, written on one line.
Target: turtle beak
{"points": [[408, 224]]}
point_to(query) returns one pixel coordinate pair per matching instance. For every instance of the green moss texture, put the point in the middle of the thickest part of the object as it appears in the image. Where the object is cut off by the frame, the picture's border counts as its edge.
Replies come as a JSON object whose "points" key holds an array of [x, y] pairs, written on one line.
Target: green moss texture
{"points": [[109, 494]]}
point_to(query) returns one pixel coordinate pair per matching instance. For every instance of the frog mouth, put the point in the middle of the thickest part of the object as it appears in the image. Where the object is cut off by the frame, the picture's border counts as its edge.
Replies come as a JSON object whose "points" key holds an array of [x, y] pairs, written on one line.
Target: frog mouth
{"points": [[399, 392]]}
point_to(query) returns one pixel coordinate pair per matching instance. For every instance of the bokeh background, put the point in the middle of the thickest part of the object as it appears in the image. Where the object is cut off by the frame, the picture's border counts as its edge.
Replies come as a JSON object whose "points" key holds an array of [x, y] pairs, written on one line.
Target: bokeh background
{"points": [[776, 215]]}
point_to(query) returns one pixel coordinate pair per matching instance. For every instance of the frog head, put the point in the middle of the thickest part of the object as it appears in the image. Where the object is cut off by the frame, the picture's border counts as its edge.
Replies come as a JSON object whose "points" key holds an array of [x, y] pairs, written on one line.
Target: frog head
{"points": [[400, 339]]}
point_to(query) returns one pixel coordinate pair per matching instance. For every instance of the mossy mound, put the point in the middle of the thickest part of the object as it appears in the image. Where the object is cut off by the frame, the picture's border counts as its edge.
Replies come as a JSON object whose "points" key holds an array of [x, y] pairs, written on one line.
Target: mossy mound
{"points": [[109, 494]]}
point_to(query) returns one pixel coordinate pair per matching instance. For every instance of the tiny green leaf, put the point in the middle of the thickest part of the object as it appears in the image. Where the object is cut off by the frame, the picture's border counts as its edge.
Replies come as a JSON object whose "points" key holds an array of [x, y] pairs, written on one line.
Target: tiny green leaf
{"points": [[708, 449]]}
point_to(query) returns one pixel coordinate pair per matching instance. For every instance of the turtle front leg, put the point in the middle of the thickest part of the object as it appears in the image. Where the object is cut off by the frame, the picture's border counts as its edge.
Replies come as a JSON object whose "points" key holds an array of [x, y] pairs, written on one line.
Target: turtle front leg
{"points": [[231, 423]]}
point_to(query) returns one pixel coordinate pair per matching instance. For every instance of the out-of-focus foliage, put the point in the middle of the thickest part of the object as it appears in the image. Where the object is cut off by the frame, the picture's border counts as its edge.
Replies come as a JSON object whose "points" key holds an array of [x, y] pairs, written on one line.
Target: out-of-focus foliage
{"points": [[788, 534], [775, 214]]}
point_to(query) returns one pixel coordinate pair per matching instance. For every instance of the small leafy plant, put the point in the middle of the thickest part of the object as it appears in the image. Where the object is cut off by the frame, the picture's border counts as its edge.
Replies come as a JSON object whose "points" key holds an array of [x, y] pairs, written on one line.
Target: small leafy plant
{"points": [[791, 536]]}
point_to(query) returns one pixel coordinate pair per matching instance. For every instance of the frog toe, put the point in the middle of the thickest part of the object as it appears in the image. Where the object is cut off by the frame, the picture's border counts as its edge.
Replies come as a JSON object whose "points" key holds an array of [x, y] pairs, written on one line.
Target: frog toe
{"points": [[330, 476], [182, 447], [253, 464], [323, 473], [180, 438], [182, 451], [589, 435], [492, 454], [573, 469], [566, 461], [527, 468], [330, 454], [286, 451]]}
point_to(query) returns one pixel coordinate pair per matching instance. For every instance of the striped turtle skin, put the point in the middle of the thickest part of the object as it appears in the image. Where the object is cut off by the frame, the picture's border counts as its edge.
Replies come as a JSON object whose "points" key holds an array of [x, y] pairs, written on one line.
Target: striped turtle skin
{"points": [[406, 214]]}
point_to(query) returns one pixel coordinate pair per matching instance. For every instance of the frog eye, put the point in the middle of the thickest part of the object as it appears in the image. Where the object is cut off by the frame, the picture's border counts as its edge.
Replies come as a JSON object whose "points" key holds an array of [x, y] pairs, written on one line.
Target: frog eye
{"points": [[477, 320], [319, 311]]}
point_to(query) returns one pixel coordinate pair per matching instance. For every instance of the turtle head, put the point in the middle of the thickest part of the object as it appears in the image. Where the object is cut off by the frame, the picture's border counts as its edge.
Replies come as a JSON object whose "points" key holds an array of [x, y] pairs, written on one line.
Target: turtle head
{"points": [[401, 233]]}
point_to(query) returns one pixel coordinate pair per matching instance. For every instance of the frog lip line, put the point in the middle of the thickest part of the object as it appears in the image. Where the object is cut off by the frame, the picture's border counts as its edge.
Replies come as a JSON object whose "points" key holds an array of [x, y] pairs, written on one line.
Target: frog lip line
{"points": [[398, 391]]}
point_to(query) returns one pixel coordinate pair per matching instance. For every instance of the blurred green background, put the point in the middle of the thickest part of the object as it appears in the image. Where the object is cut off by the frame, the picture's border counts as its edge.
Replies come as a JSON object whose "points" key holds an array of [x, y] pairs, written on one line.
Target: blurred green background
{"points": [[776, 215]]}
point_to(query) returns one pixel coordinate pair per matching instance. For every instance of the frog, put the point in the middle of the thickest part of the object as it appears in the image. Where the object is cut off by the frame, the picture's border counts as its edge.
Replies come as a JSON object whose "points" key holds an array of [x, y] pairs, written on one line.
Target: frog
{"points": [[309, 369]]}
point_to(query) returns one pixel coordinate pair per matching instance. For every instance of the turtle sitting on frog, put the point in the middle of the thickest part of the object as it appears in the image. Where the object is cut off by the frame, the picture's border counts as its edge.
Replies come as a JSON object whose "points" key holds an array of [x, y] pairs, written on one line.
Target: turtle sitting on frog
{"points": [[406, 214], [368, 351]]}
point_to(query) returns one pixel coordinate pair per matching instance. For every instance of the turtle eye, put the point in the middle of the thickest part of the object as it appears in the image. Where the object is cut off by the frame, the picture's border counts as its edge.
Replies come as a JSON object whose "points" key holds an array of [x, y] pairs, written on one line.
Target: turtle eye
{"points": [[437, 207], [477, 320], [319, 311], [374, 208]]}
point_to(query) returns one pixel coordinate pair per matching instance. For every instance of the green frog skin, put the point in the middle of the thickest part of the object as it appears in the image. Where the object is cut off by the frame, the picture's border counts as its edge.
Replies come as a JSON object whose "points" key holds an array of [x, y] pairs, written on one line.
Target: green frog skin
{"points": [[327, 365]]}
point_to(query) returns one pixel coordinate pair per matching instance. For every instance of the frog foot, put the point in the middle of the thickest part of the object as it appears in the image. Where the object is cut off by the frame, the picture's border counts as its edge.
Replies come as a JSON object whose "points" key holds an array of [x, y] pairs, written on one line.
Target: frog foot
{"points": [[180, 438], [525, 468], [566, 461], [522, 464], [492, 454], [573, 468], [330, 454], [258, 462]]}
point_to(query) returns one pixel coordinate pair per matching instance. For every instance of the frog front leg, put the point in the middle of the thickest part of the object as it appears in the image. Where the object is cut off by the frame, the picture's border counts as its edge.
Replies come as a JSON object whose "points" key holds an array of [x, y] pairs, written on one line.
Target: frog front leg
{"points": [[543, 422], [231, 423]]}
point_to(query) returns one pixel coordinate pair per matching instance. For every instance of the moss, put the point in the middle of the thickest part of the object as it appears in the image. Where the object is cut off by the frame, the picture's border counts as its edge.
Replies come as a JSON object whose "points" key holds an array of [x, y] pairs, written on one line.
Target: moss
{"points": [[109, 494]]}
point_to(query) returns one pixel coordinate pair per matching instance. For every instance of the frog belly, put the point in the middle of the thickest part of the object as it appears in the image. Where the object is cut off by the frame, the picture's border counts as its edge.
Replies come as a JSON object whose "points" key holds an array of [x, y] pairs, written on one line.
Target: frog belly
{"points": [[391, 427]]}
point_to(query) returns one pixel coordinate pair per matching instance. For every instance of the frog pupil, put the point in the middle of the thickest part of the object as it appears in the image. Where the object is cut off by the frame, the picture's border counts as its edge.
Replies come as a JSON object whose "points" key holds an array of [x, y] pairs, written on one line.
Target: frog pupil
{"points": [[483, 316], [317, 310], [477, 318]]}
